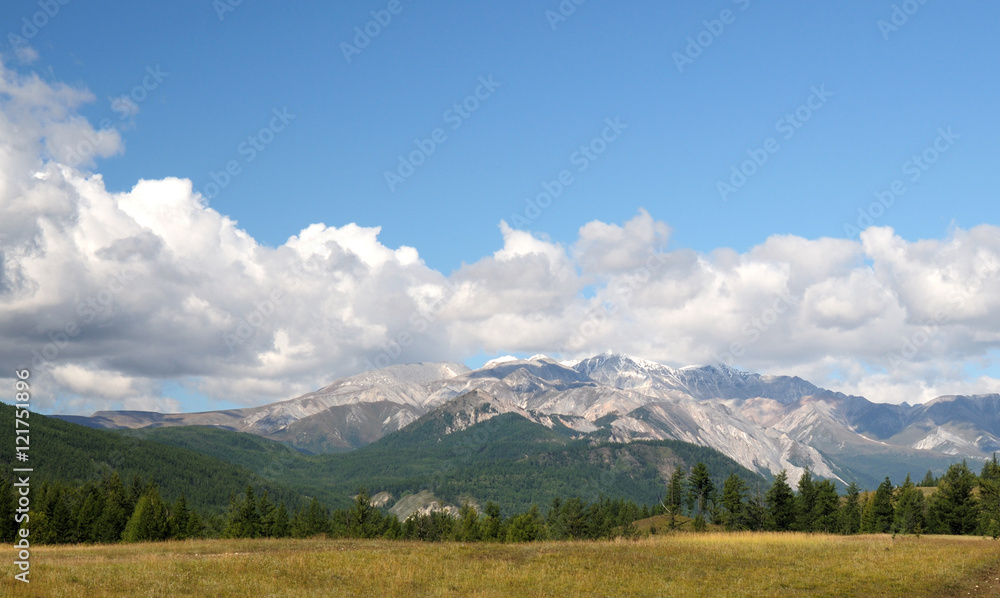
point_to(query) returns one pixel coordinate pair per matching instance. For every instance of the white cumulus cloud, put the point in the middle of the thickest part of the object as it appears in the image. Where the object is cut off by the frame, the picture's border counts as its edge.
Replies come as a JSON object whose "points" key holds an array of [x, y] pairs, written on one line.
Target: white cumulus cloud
{"points": [[111, 296]]}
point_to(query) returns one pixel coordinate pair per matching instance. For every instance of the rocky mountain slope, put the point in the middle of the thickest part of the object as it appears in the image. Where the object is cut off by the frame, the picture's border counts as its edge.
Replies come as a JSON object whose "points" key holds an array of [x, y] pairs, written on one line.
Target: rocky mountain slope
{"points": [[765, 423]]}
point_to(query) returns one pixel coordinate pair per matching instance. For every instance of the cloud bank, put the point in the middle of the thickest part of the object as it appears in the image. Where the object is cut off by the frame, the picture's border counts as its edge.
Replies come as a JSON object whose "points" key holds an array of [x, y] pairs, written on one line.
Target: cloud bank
{"points": [[114, 299]]}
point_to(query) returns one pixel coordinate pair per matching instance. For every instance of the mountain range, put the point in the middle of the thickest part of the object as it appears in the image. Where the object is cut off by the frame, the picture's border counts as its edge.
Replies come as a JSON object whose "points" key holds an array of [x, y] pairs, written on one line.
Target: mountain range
{"points": [[764, 423]]}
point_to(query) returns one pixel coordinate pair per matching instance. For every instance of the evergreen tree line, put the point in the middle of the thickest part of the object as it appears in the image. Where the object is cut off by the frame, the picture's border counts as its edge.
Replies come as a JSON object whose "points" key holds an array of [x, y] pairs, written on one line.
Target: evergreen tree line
{"points": [[110, 511], [963, 504], [569, 519], [99, 512]]}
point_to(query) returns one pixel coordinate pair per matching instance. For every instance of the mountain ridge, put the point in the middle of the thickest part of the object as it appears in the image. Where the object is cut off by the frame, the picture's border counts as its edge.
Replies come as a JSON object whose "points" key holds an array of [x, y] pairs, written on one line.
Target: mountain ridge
{"points": [[765, 422]]}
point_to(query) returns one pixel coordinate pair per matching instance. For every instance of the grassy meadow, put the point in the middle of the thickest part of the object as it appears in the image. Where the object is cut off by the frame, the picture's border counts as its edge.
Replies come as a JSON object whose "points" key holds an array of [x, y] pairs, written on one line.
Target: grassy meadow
{"points": [[676, 565]]}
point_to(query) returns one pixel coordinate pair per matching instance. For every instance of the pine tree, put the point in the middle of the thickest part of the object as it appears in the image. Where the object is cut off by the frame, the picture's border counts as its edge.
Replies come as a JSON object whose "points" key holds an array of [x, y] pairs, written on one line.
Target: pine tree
{"points": [[525, 527], [928, 481], [316, 520], [195, 526], [280, 527], [149, 520], [180, 517], [674, 499], [825, 507], [850, 512], [573, 519], [111, 525], [468, 524], [408, 529], [989, 499], [267, 512], [780, 504], [804, 502], [700, 487], [363, 520], [244, 518], [394, 530], [882, 509], [89, 515], [554, 521], [135, 492], [492, 528], [909, 515], [336, 523], [953, 509], [57, 526], [756, 512], [714, 508], [734, 492], [868, 514]]}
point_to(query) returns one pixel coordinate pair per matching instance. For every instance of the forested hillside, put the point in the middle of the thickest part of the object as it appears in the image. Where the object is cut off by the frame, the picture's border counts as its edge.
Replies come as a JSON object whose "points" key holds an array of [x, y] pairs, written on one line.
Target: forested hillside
{"points": [[73, 454], [508, 460]]}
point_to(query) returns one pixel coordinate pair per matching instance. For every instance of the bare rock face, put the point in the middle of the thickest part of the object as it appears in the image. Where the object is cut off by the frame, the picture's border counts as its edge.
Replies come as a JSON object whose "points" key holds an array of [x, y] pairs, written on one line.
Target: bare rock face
{"points": [[766, 423]]}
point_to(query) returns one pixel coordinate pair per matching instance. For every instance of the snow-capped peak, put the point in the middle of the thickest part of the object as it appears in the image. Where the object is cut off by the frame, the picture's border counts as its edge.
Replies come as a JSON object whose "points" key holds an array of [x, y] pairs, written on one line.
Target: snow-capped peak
{"points": [[498, 361], [626, 360]]}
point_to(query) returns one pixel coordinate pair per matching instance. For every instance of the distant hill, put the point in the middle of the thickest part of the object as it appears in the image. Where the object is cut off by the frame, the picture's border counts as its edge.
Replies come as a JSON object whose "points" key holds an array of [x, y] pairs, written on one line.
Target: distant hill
{"points": [[65, 452], [765, 423], [505, 458]]}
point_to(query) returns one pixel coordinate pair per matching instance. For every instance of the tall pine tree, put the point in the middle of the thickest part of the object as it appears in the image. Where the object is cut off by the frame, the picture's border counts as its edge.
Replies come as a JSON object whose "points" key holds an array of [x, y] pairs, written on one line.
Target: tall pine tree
{"points": [[825, 507], [989, 499], [674, 499], [804, 502], [734, 492], [780, 504], [909, 515], [700, 491], [849, 515], [149, 520], [882, 509], [953, 509]]}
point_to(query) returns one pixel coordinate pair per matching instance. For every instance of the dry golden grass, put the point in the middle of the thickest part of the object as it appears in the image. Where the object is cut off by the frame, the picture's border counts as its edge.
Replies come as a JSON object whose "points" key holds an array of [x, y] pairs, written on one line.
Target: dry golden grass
{"points": [[678, 565]]}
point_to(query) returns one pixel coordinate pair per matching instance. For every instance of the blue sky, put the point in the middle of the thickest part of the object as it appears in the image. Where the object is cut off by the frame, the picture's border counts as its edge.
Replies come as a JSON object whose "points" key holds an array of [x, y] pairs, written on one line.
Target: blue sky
{"points": [[685, 129], [837, 102]]}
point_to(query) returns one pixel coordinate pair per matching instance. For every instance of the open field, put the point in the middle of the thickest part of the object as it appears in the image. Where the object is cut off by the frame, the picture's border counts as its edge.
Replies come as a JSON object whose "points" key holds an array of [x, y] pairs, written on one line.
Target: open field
{"points": [[678, 565]]}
